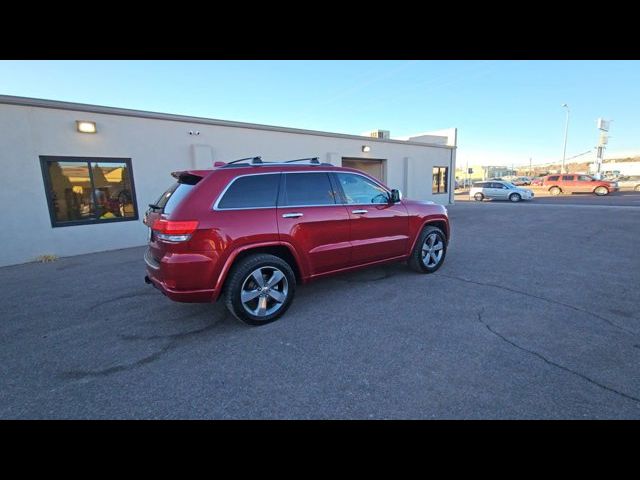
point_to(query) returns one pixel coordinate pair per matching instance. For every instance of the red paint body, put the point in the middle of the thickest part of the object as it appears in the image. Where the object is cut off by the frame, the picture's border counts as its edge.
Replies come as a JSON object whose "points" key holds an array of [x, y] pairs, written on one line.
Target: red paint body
{"points": [[325, 240], [573, 184]]}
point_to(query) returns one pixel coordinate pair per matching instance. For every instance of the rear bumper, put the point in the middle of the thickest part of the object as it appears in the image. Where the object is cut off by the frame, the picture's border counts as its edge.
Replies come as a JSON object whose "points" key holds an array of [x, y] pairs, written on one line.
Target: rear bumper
{"points": [[181, 277]]}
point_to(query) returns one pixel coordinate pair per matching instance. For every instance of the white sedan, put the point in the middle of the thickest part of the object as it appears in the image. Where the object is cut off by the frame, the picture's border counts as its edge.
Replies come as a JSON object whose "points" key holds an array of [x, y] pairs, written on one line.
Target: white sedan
{"points": [[500, 191]]}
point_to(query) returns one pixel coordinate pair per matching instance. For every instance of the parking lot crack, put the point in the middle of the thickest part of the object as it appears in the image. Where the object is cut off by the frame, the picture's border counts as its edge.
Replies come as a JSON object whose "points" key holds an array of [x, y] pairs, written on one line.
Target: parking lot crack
{"points": [[556, 302], [551, 362], [173, 342]]}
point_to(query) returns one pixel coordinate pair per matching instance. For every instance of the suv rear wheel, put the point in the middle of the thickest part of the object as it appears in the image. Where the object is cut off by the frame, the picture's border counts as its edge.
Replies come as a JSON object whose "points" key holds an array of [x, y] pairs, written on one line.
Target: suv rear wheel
{"points": [[478, 196], [429, 252], [555, 191], [260, 289]]}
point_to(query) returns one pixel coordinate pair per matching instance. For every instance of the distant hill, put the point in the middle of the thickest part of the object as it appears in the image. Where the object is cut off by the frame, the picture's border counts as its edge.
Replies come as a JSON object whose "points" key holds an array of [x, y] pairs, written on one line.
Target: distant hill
{"points": [[628, 159]]}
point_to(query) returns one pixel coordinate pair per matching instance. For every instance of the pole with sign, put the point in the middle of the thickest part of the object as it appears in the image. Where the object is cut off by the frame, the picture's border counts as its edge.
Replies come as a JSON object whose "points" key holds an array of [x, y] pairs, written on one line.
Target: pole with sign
{"points": [[603, 139]]}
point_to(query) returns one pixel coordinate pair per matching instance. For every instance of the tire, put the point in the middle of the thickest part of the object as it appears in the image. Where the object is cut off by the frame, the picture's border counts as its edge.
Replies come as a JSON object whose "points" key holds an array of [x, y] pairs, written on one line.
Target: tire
{"points": [[416, 261], [601, 191], [555, 191], [637, 188], [261, 308], [515, 197], [478, 197]]}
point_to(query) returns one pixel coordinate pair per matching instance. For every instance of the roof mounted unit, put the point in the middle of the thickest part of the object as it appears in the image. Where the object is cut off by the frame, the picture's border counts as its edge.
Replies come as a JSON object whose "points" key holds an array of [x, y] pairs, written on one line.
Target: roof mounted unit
{"points": [[383, 134]]}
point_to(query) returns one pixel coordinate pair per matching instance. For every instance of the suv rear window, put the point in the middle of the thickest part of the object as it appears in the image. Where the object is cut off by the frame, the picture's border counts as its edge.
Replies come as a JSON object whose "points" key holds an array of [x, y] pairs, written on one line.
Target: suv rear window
{"points": [[554, 178], [173, 196], [251, 191], [308, 189], [567, 178]]}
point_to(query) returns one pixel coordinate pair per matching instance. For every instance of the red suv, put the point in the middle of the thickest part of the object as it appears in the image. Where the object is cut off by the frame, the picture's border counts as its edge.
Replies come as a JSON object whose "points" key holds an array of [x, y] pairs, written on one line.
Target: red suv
{"points": [[250, 231], [577, 183]]}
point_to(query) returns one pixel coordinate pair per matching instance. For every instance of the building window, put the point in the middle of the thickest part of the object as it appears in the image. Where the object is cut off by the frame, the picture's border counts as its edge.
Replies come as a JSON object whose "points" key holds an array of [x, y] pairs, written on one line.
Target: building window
{"points": [[84, 190], [440, 179]]}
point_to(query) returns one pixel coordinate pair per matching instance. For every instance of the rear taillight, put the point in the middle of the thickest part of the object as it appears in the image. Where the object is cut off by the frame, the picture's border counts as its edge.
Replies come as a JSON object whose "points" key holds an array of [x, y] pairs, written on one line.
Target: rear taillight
{"points": [[171, 231]]}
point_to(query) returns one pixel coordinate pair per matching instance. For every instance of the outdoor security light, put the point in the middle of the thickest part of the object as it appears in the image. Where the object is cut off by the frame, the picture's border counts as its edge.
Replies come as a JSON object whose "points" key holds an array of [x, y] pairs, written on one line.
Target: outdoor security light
{"points": [[366, 148], [84, 126]]}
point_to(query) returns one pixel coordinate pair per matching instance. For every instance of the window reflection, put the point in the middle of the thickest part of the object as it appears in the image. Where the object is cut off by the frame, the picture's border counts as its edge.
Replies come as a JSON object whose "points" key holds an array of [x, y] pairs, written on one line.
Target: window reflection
{"points": [[112, 190], [89, 191], [71, 191]]}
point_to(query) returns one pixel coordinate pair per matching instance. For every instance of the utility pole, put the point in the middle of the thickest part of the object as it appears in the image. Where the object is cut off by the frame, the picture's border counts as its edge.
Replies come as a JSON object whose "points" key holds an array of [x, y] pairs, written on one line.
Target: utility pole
{"points": [[466, 182], [603, 139], [566, 132]]}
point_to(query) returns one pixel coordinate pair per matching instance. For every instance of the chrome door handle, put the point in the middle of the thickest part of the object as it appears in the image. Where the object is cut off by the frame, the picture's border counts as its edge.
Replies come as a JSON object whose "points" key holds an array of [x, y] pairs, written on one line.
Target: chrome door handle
{"points": [[359, 211], [292, 215]]}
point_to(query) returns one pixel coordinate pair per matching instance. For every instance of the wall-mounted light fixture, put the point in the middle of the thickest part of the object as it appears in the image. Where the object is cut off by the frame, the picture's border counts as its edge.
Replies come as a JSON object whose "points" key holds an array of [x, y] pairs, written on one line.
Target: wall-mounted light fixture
{"points": [[84, 126], [366, 148]]}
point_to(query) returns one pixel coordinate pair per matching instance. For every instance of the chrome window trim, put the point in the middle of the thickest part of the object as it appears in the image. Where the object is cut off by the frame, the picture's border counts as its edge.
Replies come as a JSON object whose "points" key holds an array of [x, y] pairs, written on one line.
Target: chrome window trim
{"points": [[370, 179], [216, 208], [221, 196]]}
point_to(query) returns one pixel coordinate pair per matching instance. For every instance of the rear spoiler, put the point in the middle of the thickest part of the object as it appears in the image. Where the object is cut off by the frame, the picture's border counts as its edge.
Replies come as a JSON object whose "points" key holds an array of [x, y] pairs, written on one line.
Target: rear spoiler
{"points": [[190, 177]]}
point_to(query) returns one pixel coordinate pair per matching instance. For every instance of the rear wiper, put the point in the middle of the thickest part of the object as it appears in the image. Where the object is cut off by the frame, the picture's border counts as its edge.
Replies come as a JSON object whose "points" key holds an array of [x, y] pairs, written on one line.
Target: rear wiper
{"points": [[154, 206]]}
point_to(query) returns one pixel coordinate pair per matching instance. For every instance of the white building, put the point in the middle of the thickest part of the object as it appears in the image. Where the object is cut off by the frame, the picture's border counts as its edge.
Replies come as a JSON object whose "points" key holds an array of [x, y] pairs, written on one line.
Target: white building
{"points": [[66, 192]]}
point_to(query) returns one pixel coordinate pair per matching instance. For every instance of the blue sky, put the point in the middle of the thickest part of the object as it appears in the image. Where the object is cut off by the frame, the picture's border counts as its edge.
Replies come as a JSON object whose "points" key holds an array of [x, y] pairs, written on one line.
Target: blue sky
{"points": [[505, 111]]}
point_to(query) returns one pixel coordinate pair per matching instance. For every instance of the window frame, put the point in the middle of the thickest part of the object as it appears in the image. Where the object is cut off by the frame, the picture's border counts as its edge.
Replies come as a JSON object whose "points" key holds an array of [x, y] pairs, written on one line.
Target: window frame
{"points": [[282, 194], [343, 196], [216, 206], [446, 183], [45, 160]]}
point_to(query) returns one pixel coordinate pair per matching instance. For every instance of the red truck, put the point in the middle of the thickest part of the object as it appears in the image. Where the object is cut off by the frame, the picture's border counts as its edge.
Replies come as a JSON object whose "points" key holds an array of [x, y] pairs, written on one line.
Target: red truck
{"points": [[250, 231]]}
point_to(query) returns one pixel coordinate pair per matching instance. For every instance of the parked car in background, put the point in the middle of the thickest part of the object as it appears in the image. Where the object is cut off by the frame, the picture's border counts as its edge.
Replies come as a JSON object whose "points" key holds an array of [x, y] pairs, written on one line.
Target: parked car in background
{"points": [[521, 181], [499, 191], [536, 182], [249, 231], [632, 182], [578, 183]]}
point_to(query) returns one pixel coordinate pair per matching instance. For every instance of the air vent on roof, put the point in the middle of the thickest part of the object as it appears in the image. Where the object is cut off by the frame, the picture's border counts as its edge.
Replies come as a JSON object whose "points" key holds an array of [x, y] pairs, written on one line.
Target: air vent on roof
{"points": [[378, 134]]}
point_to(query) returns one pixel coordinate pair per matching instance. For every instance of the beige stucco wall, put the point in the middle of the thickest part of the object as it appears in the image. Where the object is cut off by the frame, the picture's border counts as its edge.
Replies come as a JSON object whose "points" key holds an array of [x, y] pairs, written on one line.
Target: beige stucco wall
{"points": [[156, 148]]}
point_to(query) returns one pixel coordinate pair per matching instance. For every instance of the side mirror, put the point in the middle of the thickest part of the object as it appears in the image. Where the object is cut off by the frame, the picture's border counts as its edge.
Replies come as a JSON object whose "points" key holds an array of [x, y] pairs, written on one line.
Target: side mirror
{"points": [[396, 196]]}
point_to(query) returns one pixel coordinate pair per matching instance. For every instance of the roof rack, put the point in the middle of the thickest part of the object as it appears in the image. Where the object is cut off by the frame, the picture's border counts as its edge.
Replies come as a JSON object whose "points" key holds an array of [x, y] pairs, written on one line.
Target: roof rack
{"points": [[254, 160], [312, 160], [257, 162]]}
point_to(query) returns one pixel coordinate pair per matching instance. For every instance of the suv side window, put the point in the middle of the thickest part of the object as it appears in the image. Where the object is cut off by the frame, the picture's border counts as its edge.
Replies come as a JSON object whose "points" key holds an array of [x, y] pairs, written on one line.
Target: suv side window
{"points": [[554, 178], [584, 178], [251, 191], [360, 190], [567, 178], [306, 189]]}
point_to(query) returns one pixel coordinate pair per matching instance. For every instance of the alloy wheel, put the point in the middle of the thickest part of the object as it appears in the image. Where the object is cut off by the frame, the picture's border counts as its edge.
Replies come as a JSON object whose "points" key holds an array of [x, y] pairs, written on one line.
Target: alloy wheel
{"points": [[432, 250], [264, 291]]}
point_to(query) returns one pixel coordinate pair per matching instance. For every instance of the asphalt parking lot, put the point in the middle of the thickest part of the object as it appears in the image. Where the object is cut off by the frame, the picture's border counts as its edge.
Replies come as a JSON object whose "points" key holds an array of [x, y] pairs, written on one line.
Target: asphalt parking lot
{"points": [[535, 314]]}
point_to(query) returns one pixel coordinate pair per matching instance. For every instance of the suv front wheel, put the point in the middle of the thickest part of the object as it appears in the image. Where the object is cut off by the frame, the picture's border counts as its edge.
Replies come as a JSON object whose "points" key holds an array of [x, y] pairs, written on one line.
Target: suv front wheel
{"points": [[260, 289], [429, 252]]}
